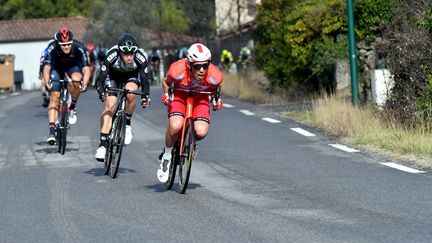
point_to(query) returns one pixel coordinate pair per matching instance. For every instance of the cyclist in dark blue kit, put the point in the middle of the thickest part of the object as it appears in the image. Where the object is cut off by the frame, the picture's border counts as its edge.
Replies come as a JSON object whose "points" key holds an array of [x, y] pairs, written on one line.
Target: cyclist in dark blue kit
{"points": [[64, 58], [124, 63]]}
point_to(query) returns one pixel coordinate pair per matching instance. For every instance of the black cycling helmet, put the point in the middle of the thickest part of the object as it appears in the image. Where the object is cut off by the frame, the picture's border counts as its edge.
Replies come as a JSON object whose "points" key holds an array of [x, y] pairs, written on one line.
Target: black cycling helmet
{"points": [[64, 36], [127, 43]]}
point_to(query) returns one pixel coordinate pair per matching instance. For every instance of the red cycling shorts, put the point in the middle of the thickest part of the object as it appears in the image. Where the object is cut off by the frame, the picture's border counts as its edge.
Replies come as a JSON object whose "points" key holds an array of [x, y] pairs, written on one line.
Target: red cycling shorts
{"points": [[201, 110]]}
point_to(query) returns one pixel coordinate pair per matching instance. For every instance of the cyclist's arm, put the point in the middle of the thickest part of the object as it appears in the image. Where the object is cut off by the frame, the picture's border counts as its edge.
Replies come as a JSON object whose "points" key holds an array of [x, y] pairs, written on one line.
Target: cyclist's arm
{"points": [[103, 73], [145, 86], [84, 61], [143, 72], [46, 73]]}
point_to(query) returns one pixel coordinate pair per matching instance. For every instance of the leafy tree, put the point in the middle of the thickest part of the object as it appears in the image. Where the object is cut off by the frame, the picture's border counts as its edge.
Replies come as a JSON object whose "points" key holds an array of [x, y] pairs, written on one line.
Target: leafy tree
{"points": [[299, 41], [25, 9]]}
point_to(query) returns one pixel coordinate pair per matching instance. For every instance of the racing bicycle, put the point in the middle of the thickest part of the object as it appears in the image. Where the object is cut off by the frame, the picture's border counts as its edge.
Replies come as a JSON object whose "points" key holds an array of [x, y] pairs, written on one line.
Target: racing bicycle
{"points": [[118, 129], [184, 148]]}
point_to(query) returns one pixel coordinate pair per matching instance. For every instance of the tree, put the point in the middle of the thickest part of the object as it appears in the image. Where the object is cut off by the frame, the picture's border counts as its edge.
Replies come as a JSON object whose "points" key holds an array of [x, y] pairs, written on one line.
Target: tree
{"points": [[25, 9], [301, 41]]}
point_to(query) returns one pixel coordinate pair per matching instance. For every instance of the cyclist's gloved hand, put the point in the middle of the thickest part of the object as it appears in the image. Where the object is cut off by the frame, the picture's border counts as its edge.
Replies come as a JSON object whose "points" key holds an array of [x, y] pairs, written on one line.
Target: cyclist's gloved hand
{"points": [[145, 101], [166, 98], [217, 104], [48, 85]]}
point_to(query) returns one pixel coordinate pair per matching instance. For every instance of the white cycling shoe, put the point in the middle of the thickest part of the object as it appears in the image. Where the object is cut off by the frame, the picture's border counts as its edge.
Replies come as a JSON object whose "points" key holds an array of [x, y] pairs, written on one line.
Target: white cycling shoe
{"points": [[73, 117], [128, 135], [100, 153], [163, 171]]}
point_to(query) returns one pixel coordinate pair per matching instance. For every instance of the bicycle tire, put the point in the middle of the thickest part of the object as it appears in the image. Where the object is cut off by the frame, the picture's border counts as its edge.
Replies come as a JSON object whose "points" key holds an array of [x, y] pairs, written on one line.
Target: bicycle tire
{"points": [[117, 144], [173, 167], [108, 156], [61, 129], [65, 122], [185, 161]]}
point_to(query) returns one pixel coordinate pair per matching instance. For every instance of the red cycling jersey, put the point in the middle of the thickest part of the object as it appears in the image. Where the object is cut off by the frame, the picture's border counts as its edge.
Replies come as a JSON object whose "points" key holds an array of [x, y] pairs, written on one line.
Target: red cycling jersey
{"points": [[182, 77]]}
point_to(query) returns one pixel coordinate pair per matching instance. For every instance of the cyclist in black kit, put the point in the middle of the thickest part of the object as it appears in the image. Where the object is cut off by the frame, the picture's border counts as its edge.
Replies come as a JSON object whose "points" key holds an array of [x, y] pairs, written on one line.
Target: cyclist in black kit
{"points": [[125, 63], [64, 58]]}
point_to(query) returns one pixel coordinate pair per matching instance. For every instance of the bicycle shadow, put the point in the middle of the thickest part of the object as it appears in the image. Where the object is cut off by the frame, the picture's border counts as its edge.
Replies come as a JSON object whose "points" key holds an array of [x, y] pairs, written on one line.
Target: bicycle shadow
{"points": [[52, 149], [160, 187], [100, 171]]}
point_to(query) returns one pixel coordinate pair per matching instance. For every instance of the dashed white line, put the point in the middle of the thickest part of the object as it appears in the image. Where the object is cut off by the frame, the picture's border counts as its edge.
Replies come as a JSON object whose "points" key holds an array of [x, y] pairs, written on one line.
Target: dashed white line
{"points": [[228, 105], [303, 132], [271, 120], [344, 148], [402, 168], [247, 113], [15, 94]]}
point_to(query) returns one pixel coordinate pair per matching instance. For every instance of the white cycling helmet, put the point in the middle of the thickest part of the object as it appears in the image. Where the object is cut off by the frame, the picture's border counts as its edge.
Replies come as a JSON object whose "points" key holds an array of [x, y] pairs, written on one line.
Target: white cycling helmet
{"points": [[198, 53]]}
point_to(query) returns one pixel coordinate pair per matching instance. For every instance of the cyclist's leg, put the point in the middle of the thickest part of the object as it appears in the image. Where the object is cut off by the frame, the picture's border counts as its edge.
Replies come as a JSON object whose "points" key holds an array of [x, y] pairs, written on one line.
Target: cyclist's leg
{"points": [[53, 104], [74, 88], [106, 122], [176, 110], [107, 113], [132, 84], [201, 115]]}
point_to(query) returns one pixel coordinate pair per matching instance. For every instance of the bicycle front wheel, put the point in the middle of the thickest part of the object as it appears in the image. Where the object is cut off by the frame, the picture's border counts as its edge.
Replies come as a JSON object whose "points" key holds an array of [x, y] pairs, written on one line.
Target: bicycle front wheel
{"points": [[185, 160], [62, 129], [117, 144]]}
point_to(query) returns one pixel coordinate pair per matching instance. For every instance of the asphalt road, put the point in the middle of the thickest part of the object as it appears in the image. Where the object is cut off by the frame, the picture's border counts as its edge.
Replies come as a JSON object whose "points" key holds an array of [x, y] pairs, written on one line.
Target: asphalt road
{"points": [[253, 180]]}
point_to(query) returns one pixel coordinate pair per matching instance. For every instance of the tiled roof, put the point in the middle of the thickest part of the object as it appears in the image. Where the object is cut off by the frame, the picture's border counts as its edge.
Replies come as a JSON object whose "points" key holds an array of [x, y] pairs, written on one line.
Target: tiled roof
{"points": [[160, 39], [44, 29], [40, 29]]}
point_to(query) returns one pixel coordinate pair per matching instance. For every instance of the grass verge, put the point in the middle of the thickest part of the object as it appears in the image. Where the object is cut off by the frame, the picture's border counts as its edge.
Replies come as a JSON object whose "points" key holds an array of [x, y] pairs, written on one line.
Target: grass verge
{"points": [[364, 127]]}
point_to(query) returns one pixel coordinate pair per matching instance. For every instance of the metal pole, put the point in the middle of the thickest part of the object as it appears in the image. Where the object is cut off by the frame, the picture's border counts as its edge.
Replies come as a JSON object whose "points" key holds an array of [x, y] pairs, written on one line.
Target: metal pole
{"points": [[352, 54]]}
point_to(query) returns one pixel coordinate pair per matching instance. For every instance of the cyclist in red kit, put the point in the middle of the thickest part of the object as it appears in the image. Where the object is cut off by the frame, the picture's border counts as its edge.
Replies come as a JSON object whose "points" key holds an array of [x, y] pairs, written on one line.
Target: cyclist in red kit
{"points": [[193, 73]]}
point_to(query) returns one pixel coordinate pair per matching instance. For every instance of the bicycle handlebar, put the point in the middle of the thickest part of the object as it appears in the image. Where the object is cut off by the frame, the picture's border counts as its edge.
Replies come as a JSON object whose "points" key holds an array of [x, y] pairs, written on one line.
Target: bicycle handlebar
{"points": [[124, 91]]}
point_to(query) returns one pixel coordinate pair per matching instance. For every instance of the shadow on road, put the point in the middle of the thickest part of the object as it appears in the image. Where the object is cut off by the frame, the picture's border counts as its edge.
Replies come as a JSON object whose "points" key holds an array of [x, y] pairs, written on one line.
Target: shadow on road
{"points": [[159, 187], [100, 171]]}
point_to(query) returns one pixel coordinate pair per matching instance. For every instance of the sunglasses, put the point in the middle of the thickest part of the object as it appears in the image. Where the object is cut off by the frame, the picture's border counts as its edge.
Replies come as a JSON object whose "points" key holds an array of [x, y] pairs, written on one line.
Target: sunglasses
{"points": [[199, 66], [128, 49], [66, 44]]}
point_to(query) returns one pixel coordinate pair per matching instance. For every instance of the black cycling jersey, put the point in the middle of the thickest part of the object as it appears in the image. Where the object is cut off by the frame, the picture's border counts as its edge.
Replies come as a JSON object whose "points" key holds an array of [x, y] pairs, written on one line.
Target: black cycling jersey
{"points": [[115, 67], [77, 57]]}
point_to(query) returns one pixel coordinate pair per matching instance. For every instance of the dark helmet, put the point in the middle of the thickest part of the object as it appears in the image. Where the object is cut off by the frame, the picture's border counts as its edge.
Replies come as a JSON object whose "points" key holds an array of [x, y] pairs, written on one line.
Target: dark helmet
{"points": [[64, 36], [127, 43]]}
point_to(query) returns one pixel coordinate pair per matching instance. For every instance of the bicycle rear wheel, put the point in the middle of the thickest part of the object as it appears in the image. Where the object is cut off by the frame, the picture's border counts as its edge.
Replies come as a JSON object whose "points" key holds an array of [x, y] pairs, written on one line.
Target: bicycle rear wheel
{"points": [[185, 161], [117, 144], [173, 166]]}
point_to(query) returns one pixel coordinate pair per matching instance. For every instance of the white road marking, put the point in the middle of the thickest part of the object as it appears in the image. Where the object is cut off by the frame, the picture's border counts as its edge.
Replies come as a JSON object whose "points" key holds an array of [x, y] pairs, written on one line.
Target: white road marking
{"points": [[344, 148], [271, 120], [247, 113], [14, 94], [228, 105], [402, 168], [3, 97], [303, 132]]}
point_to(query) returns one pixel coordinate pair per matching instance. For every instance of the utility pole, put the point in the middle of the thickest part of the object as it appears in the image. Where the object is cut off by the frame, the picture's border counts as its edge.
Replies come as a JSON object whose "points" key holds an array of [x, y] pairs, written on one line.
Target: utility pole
{"points": [[352, 54]]}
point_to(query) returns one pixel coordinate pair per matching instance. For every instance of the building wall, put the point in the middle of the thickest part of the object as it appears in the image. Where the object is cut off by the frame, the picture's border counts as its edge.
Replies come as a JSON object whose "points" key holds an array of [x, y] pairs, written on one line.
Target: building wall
{"points": [[228, 12], [27, 57]]}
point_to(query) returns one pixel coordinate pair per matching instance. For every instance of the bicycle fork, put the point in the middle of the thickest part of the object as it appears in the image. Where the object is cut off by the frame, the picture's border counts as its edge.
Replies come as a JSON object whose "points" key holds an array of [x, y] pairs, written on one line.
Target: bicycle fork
{"points": [[118, 113]]}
